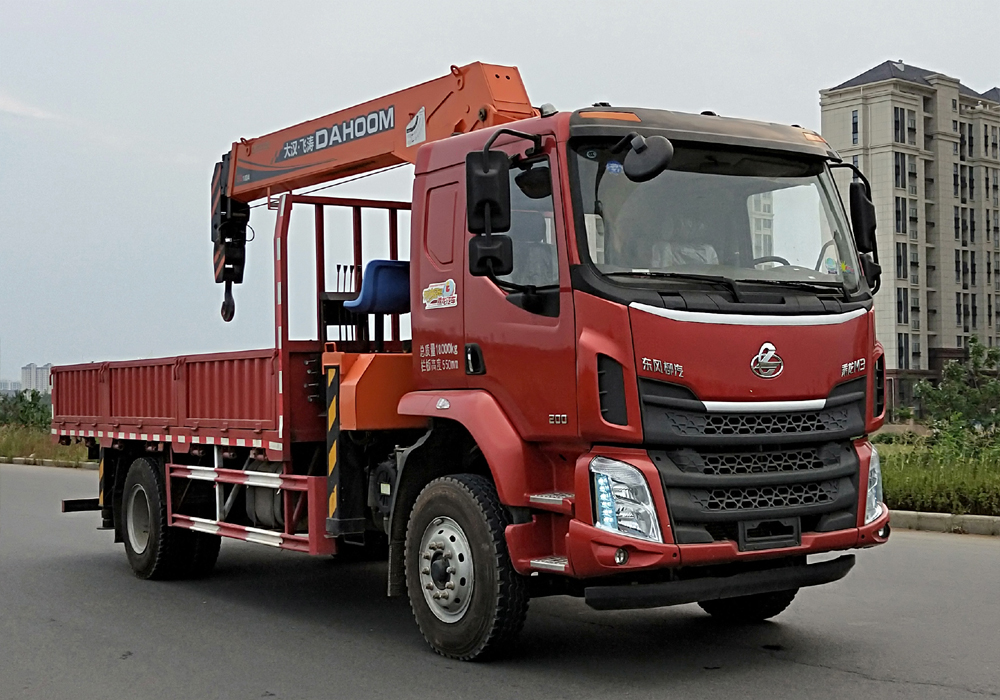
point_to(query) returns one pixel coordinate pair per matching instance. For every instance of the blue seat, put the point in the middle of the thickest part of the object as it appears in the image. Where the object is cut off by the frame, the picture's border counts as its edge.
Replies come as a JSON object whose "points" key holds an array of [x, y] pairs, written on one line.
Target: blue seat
{"points": [[385, 289]]}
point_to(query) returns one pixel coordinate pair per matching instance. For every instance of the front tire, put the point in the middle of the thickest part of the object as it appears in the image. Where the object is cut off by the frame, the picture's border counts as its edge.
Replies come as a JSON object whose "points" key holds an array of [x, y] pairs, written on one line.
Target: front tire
{"points": [[466, 597], [749, 608]]}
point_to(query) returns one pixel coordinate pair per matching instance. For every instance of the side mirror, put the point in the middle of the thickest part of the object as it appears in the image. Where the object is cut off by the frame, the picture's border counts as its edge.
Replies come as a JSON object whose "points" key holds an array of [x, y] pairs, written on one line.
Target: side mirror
{"points": [[487, 191], [862, 218], [647, 158], [496, 251]]}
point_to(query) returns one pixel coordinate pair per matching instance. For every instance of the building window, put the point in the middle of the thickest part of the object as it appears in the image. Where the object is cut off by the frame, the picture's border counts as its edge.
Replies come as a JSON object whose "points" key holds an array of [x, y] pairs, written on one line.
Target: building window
{"points": [[972, 182], [958, 225], [958, 267], [899, 125], [901, 261], [972, 258], [975, 310], [903, 350], [902, 305], [954, 174], [972, 225], [958, 312], [854, 162], [954, 126], [900, 215], [854, 126], [954, 148], [954, 105], [898, 169]]}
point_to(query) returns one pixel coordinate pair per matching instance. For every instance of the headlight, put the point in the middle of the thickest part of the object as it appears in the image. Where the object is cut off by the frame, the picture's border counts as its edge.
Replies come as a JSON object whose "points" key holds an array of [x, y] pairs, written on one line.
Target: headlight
{"points": [[622, 501], [873, 504]]}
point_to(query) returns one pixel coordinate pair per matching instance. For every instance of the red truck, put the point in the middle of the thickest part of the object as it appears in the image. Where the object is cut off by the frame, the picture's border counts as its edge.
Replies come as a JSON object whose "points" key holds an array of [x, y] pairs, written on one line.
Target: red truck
{"points": [[643, 367]]}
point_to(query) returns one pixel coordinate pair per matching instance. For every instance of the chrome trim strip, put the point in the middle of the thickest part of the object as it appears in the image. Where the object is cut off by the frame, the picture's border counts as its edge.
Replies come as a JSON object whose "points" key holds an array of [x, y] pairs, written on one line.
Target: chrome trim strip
{"points": [[747, 319], [763, 406]]}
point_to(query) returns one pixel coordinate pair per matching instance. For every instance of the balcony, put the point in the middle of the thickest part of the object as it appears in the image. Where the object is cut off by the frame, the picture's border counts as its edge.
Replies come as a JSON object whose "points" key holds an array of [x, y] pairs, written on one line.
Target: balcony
{"points": [[915, 324]]}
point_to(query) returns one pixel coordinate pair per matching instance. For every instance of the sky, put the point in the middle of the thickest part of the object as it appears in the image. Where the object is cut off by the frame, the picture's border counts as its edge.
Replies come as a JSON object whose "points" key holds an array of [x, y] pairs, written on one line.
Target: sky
{"points": [[112, 115]]}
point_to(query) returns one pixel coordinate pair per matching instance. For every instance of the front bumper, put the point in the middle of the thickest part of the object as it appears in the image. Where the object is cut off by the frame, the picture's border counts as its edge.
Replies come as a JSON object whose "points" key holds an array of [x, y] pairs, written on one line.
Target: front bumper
{"points": [[656, 595], [590, 551]]}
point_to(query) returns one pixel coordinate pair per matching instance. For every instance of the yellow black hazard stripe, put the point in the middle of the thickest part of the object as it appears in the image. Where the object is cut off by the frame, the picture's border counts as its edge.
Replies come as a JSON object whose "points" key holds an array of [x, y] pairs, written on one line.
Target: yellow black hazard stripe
{"points": [[332, 435]]}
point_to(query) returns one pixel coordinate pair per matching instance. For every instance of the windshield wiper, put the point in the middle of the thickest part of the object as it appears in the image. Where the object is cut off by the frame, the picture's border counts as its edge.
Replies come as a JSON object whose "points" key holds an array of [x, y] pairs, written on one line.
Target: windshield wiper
{"points": [[803, 284], [730, 284]]}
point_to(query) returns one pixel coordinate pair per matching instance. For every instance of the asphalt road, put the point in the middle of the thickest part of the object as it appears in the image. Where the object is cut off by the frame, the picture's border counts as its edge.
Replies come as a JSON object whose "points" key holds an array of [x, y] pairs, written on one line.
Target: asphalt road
{"points": [[917, 618]]}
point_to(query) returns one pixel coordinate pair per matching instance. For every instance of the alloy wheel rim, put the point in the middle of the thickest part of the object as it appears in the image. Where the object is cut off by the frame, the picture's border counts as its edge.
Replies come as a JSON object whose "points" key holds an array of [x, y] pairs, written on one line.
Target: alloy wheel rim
{"points": [[446, 569]]}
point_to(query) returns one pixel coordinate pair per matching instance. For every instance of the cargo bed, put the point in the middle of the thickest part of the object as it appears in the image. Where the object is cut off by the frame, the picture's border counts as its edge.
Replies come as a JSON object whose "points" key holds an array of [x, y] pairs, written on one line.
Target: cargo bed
{"points": [[230, 398]]}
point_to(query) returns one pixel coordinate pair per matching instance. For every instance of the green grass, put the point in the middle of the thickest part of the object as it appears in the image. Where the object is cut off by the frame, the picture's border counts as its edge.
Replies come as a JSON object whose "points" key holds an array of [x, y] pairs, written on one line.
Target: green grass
{"points": [[937, 481], [20, 441]]}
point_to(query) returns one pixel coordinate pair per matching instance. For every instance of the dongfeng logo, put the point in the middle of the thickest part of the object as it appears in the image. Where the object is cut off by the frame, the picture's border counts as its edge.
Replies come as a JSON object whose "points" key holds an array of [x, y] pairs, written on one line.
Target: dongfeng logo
{"points": [[766, 364]]}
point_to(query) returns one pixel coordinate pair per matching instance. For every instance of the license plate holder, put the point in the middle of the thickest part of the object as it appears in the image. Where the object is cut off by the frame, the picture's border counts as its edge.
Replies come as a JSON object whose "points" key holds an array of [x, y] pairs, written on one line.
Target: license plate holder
{"points": [[772, 533]]}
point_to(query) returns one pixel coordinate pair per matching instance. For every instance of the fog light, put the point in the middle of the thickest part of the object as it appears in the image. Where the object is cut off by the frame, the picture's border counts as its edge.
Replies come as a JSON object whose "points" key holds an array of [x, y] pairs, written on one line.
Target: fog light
{"points": [[621, 556]]}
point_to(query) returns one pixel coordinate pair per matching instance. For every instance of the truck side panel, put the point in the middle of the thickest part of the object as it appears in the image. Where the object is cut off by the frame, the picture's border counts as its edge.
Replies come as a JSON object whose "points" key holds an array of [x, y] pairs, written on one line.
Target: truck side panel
{"points": [[201, 398]]}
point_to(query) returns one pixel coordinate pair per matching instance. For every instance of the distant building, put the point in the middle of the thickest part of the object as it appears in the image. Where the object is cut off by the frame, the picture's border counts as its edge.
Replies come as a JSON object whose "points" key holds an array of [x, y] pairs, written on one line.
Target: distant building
{"points": [[8, 385], [930, 146], [35, 378]]}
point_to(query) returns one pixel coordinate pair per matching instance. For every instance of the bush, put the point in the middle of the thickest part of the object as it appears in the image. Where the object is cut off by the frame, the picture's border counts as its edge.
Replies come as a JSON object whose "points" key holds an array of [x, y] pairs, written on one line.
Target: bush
{"points": [[22, 441], [953, 470]]}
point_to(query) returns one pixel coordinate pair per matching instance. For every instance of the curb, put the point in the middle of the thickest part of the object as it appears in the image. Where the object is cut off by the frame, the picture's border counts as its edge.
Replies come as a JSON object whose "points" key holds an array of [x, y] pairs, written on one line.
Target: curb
{"points": [[945, 522], [91, 466]]}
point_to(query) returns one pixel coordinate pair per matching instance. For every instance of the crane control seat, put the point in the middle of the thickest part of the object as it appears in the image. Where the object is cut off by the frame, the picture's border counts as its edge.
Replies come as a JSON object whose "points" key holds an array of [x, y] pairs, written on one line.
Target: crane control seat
{"points": [[385, 289]]}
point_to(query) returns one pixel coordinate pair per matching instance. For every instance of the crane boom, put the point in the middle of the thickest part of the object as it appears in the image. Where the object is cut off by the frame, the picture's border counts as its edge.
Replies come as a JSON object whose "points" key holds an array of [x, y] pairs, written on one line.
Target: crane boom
{"points": [[380, 133]]}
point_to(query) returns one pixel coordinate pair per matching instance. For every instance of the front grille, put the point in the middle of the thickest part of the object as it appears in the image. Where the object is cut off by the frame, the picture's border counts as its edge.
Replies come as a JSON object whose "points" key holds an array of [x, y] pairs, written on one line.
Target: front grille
{"points": [[735, 463], [709, 493], [704, 424], [757, 497], [673, 415]]}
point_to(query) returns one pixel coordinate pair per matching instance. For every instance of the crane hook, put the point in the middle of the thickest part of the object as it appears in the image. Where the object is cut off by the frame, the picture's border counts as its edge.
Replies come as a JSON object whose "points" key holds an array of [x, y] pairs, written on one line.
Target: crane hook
{"points": [[228, 303]]}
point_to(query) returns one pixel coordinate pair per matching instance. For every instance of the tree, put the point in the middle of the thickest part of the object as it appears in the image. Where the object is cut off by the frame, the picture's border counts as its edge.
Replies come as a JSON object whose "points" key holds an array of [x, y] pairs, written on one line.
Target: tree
{"points": [[29, 408], [968, 394]]}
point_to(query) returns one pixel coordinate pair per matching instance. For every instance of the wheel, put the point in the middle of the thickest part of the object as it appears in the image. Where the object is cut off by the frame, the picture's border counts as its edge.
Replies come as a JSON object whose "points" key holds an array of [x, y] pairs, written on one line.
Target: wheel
{"points": [[749, 608], [154, 550], [466, 597], [202, 552]]}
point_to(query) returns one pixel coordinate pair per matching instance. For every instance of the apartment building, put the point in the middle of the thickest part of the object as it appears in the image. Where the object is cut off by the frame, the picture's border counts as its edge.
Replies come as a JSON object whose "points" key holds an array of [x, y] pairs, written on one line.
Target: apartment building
{"points": [[36, 378], [930, 146], [9, 385]]}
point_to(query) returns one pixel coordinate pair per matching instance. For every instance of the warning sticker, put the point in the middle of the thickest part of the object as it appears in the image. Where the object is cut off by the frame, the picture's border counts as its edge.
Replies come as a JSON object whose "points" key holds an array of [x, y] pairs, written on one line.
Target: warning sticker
{"points": [[441, 295], [416, 129]]}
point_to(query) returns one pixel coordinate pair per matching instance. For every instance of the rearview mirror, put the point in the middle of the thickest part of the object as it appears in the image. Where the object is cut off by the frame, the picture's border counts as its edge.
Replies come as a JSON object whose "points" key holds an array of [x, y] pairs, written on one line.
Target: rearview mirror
{"points": [[487, 191], [494, 253], [647, 158], [862, 218]]}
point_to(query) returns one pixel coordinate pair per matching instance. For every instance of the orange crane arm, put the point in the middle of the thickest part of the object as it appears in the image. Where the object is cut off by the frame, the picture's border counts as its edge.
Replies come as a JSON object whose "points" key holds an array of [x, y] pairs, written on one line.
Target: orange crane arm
{"points": [[377, 134]]}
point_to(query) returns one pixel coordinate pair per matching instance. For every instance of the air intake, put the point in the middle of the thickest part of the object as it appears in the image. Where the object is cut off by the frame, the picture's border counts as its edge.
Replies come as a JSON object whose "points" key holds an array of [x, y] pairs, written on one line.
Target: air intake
{"points": [[611, 390]]}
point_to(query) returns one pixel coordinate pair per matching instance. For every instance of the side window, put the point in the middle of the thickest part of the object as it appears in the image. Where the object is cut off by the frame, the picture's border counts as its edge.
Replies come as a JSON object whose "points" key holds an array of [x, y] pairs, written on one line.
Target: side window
{"points": [[532, 225]]}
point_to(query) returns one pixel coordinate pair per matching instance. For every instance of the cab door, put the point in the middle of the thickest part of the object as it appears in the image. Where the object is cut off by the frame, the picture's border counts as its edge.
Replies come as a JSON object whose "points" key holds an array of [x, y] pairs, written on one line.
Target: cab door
{"points": [[519, 347]]}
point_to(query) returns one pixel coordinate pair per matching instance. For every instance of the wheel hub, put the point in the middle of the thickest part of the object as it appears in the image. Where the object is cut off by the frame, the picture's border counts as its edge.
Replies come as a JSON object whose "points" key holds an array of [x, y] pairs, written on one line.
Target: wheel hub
{"points": [[137, 519], [446, 569]]}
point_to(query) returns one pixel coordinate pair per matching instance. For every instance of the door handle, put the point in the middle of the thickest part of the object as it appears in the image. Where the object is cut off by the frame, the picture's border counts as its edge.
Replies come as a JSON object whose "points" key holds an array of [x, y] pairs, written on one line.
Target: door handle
{"points": [[474, 362]]}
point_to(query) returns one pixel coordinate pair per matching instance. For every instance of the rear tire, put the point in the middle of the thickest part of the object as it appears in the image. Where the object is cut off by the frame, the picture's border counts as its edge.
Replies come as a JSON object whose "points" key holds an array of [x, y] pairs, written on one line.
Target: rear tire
{"points": [[467, 599], [154, 550], [203, 552], [749, 608]]}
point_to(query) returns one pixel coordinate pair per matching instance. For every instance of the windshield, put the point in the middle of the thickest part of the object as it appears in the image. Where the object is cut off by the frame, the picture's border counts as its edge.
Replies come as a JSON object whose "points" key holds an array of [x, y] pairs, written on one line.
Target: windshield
{"points": [[732, 214]]}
